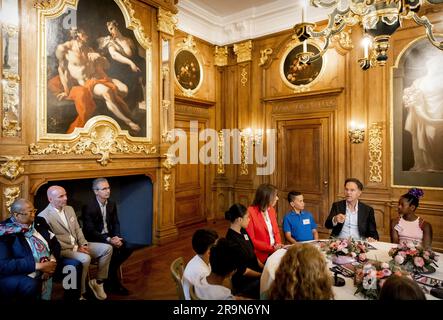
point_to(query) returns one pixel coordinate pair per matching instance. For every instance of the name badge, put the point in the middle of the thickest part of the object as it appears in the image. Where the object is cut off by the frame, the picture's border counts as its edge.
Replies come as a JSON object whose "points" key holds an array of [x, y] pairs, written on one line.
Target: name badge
{"points": [[246, 237], [306, 221]]}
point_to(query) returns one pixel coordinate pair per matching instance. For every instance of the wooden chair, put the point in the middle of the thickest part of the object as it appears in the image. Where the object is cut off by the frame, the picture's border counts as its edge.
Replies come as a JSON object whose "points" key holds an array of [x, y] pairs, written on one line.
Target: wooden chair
{"points": [[177, 268], [192, 293]]}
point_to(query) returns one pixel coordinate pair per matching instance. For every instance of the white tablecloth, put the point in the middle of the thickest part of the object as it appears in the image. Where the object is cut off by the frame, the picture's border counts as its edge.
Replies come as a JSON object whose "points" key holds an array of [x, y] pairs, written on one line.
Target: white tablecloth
{"points": [[341, 293]]}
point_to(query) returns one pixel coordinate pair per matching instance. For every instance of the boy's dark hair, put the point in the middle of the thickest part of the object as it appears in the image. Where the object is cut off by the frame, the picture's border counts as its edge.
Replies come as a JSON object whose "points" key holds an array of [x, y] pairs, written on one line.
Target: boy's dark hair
{"points": [[203, 239], [264, 195], [221, 258], [356, 181], [401, 288], [237, 210], [292, 195]]}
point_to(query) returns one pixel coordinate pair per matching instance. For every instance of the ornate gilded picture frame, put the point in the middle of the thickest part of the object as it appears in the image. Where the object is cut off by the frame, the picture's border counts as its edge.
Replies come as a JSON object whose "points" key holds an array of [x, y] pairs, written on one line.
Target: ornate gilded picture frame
{"points": [[188, 67], [417, 116], [95, 65], [299, 76]]}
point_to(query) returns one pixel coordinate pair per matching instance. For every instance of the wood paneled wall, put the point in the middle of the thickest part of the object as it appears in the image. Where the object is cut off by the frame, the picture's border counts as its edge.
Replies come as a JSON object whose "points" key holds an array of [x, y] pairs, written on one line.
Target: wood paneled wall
{"points": [[314, 154]]}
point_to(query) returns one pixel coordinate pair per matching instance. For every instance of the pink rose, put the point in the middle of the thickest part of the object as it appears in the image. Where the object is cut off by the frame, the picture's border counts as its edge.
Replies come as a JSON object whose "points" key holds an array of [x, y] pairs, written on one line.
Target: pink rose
{"points": [[399, 259], [419, 262], [386, 272], [402, 253]]}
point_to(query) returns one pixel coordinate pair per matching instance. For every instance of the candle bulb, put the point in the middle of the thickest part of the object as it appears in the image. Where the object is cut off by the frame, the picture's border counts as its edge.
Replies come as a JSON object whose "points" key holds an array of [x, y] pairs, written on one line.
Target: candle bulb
{"points": [[305, 46], [366, 42]]}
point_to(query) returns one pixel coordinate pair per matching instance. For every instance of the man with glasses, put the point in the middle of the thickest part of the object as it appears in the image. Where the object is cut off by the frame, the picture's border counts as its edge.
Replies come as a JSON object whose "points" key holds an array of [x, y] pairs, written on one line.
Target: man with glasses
{"points": [[101, 224], [29, 255]]}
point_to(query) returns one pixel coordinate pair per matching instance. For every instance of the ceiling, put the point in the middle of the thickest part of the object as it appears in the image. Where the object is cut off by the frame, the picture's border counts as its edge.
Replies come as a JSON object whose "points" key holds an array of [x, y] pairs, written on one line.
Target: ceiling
{"points": [[223, 22]]}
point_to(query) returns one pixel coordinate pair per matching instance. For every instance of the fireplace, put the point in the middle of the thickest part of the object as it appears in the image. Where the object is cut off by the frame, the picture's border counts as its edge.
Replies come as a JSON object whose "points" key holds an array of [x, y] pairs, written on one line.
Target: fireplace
{"points": [[132, 194]]}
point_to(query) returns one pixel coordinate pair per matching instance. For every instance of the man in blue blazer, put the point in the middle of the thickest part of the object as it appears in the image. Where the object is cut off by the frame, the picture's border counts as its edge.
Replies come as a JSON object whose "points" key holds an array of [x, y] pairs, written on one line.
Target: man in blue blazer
{"points": [[351, 217], [101, 224], [29, 255]]}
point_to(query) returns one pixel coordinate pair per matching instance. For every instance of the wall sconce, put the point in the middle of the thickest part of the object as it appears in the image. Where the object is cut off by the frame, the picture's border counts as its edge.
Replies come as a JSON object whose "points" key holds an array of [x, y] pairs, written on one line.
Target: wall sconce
{"points": [[356, 133]]}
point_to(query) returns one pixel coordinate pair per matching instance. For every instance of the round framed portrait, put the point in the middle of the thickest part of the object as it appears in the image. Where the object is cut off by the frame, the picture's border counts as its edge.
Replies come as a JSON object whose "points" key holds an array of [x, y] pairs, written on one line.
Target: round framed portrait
{"points": [[296, 74], [188, 71]]}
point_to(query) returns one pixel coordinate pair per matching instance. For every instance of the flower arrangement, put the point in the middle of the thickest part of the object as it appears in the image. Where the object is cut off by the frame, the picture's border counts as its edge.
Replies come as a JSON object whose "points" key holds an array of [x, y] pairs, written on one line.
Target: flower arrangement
{"points": [[413, 258], [371, 276], [347, 247]]}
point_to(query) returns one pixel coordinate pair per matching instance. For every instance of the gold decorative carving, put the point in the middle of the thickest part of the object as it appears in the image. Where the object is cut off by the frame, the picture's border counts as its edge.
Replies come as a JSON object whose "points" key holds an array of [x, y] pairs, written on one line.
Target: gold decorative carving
{"points": [[103, 138], [244, 149], [11, 99], [221, 56], [11, 194], [375, 152], [244, 78], [12, 168], [305, 106], [243, 51], [167, 21], [344, 39], [190, 110], [167, 182], [44, 4], [264, 56], [221, 145], [168, 164]]}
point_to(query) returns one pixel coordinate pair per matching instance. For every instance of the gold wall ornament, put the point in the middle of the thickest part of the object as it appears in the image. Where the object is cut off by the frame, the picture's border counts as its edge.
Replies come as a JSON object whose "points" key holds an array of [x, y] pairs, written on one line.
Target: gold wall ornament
{"points": [[375, 142], [221, 145], [356, 135], [11, 194], [12, 168], [221, 56], [11, 101], [264, 56], [244, 150], [167, 182], [344, 39], [169, 163], [44, 4], [103, 138], [244, 77], [243, 51], [167, 21]]}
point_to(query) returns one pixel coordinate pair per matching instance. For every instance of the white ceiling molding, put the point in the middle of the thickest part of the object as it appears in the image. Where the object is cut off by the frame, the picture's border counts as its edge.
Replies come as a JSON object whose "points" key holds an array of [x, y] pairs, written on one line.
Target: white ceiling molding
{"points": [[243, 25]]}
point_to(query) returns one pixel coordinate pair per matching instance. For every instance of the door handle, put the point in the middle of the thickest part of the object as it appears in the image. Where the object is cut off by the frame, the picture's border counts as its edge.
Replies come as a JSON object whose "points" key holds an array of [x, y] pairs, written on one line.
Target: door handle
{"points": [[325, 183]]}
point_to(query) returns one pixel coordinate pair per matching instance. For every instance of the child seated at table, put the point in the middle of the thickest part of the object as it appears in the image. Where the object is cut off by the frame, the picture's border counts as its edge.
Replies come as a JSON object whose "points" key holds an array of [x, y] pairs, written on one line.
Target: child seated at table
{"points": [[408, 226], [401, 288], [299, 224]]}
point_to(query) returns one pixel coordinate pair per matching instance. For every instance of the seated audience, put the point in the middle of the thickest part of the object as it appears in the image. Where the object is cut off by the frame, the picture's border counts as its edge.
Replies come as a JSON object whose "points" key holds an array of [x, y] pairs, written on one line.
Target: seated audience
{"points": [[401, 288], [410, 227], [351, 217], [263, 228], [29, 255], [298, 224], [101, 224], [63, 222], [302, 275], [198, 267], [246, 280], [222, 264]]}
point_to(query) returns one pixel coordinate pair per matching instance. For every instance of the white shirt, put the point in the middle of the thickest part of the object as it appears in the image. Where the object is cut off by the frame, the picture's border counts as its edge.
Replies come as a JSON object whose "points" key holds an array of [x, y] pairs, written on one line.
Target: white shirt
{"points": [[350, 227], [103, 210], [268, 274], [195, 270], [206, 291], [269, 226]]}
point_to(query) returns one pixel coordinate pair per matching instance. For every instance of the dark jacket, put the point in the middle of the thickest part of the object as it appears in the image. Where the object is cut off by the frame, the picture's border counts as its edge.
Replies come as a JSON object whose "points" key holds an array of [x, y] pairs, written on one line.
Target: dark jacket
{"points": [[93, 221], [366, 220], [15, 254]]}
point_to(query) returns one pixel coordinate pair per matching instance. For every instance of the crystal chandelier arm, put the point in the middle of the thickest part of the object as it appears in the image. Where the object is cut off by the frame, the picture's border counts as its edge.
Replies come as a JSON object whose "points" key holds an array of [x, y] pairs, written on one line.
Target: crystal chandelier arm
{"points": [[424, 21]]}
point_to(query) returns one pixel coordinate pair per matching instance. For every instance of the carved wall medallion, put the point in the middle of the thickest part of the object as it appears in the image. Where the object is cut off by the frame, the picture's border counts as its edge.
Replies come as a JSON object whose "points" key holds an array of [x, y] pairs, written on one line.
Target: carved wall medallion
{"points": [[167, 21], [375, 152], [12, 168], [103, 138], [221, 56], [243, 51]]}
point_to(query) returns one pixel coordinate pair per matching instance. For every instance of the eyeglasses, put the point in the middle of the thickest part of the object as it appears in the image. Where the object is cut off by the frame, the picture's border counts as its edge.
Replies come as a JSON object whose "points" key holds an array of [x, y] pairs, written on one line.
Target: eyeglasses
{"points": [[33, 211], [103, 189]]}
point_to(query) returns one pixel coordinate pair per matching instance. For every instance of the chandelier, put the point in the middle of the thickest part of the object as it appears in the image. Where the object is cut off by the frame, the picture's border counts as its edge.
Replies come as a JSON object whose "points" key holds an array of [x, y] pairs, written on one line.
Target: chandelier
{"points": [[379, 19]]}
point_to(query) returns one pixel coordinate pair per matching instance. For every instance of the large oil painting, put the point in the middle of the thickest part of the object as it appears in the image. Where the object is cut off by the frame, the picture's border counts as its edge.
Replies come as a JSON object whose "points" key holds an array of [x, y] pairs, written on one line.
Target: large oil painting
{"points": [[94, 67], [417, 116]]}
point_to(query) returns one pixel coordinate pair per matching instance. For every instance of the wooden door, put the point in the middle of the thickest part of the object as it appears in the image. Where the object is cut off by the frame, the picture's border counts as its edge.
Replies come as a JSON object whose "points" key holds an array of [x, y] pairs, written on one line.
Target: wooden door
{"points": [[189, 184], [303, 164]]}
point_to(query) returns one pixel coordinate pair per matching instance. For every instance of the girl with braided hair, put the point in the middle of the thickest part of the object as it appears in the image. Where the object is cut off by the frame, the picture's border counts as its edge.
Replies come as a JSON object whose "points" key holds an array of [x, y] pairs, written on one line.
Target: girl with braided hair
{"points": [[408, 226]]}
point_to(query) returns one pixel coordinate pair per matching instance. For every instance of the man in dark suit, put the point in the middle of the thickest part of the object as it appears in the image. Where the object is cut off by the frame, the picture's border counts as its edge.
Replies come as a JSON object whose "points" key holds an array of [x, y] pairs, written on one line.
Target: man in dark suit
{"points": [[101, 224], [30, 256], [350, 217]]}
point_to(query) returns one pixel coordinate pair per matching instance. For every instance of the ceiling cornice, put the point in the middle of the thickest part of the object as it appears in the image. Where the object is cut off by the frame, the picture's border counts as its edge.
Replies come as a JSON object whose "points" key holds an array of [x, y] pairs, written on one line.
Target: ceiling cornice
{"points": [[246, 24]]}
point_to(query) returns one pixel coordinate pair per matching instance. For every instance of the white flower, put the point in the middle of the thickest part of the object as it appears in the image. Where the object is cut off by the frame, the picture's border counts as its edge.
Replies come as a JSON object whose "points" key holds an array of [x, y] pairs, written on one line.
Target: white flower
{"points": [[399, 259], [385, 265]]}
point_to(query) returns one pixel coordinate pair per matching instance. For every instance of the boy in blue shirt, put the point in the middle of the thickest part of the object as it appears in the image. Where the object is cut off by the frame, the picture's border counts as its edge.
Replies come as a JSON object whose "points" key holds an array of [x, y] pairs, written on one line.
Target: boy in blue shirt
{"points": [[299, 225]]}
